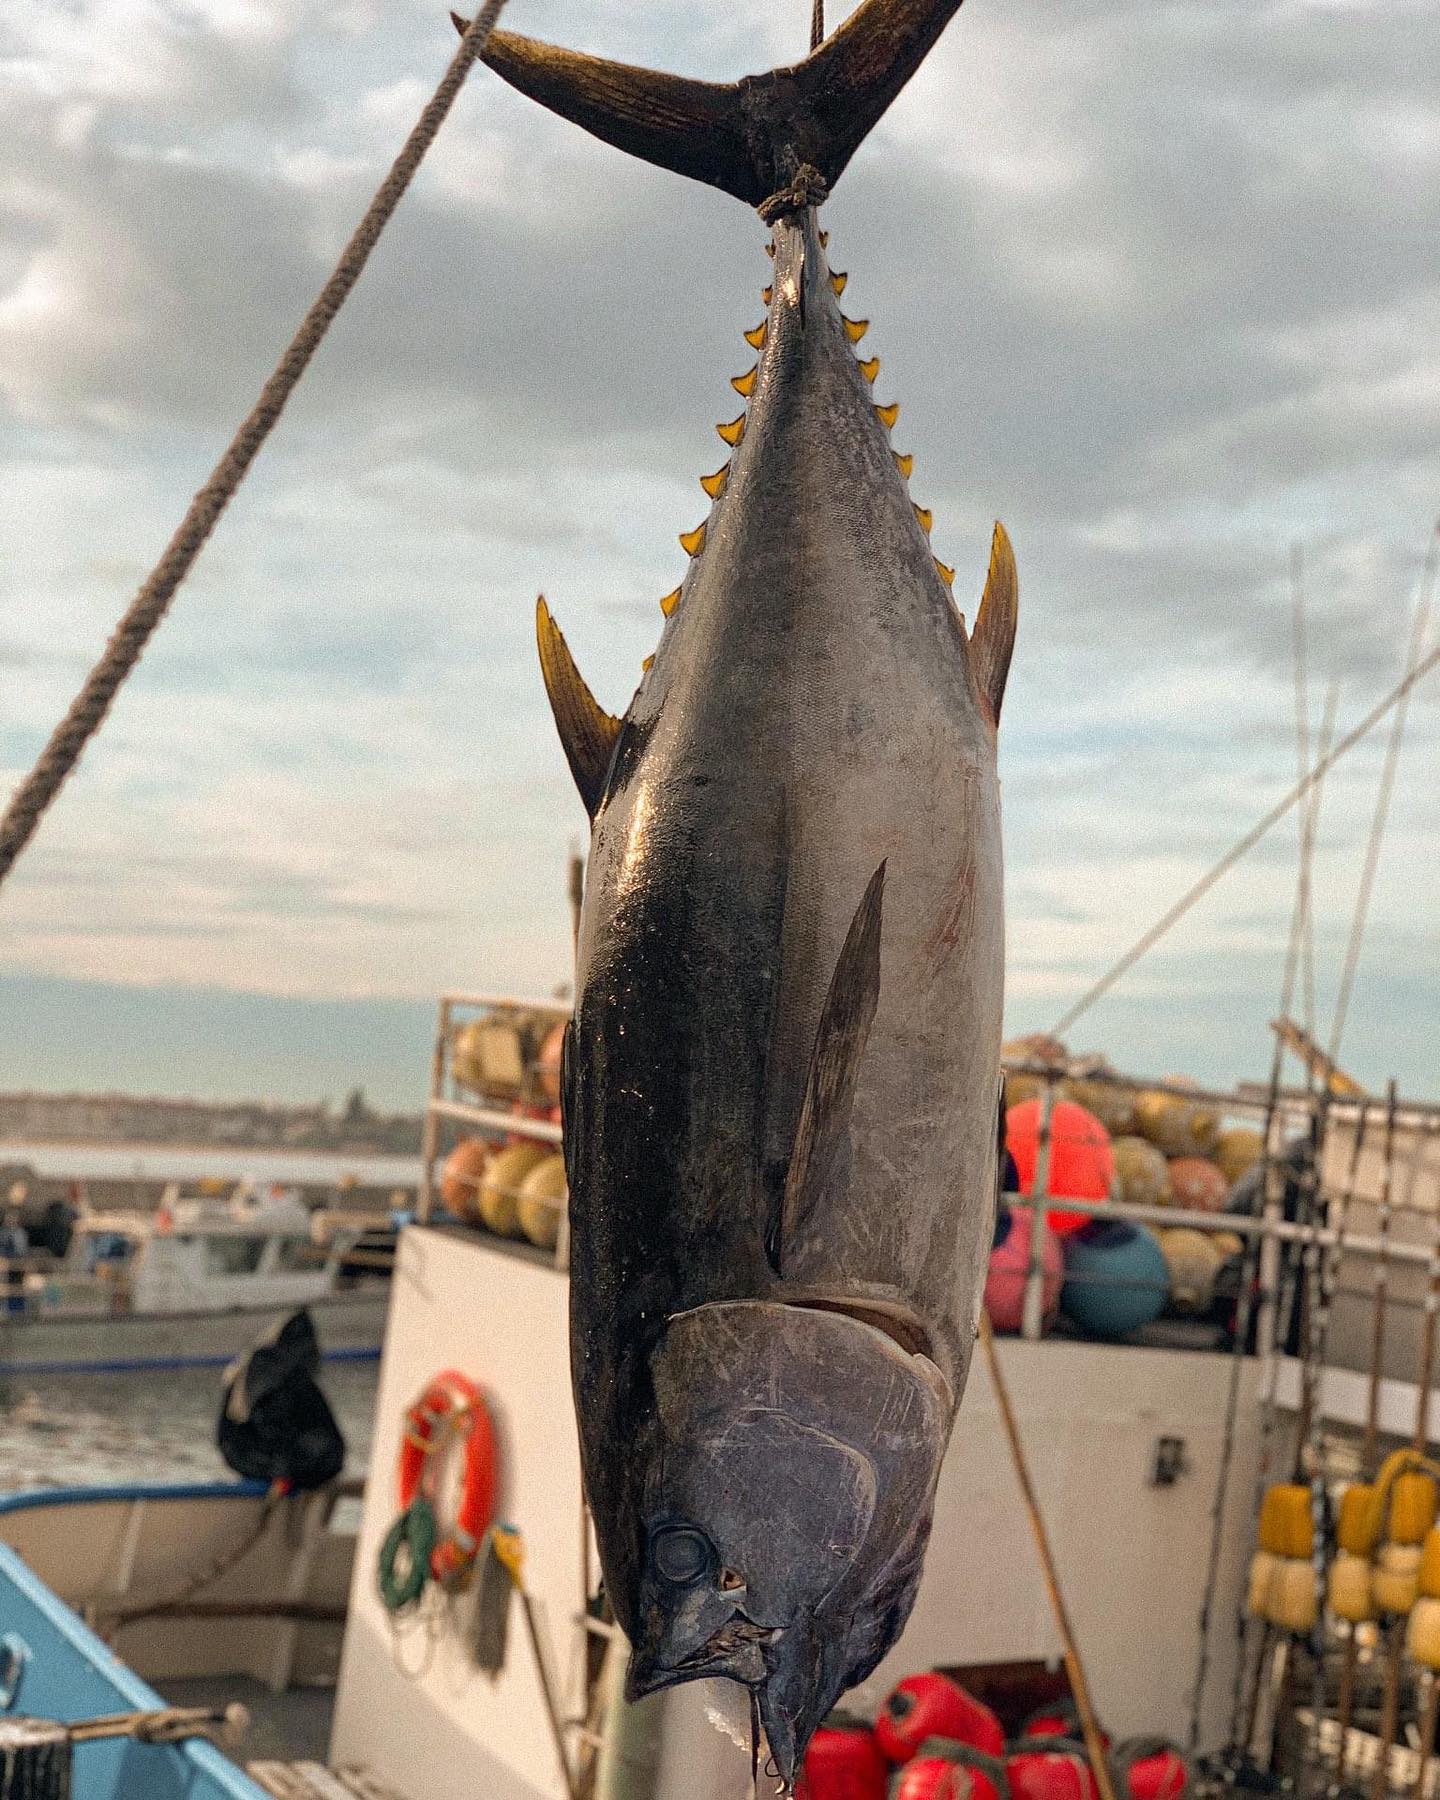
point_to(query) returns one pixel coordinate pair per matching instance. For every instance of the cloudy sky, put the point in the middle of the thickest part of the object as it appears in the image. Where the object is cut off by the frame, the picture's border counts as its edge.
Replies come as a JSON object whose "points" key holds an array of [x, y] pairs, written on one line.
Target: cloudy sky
{"points": [[1159, 285]]}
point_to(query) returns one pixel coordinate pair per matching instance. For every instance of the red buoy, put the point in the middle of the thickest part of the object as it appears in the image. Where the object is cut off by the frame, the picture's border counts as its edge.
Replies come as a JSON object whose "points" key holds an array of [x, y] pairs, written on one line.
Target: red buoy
{"points": [[1151, 1769], [843, 1763], [933, 1706], [943, 1770], [1050, 1769], [1082, 1164], [1010, 1268]]}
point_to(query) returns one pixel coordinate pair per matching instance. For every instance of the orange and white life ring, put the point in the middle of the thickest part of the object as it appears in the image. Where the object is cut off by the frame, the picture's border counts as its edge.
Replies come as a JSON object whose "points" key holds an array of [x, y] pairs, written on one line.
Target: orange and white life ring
{"points": [[452, 1406]]}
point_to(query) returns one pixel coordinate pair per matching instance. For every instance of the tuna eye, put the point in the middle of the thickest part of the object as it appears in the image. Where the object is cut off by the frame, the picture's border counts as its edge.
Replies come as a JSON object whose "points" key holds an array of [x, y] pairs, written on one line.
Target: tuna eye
{"points": [[681, 1553]]}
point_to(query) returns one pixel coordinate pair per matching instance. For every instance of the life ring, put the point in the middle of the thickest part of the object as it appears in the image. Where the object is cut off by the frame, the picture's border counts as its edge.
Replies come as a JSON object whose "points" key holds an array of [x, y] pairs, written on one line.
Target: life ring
{"points": [[452, 1405]]}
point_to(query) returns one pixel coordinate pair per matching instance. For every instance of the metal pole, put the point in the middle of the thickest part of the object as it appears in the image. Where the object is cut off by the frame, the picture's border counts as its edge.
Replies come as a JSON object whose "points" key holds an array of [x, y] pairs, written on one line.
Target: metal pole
{"points": [[1032, 1315]]}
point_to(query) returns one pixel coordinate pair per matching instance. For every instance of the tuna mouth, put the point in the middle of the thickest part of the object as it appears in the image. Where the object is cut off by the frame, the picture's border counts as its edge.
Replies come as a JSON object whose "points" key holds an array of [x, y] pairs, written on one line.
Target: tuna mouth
{"points": [[905, 1329]]}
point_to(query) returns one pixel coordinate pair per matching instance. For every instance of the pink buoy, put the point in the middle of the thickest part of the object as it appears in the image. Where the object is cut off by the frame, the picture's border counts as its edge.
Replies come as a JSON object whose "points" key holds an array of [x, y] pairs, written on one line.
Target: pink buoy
{"points": [[1082, 1164], [1009, 1266]]}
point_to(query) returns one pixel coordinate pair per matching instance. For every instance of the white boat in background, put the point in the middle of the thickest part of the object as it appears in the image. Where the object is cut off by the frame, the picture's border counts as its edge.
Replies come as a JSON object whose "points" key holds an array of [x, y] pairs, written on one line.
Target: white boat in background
{"points": [[189, 1286]]}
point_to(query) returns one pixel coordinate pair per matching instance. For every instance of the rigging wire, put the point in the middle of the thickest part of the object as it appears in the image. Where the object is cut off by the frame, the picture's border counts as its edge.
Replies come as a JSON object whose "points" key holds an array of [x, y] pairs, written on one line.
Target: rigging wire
{"points": [[1302, 769], [87, 712], [1382, 804], [1175, 913], [817, 24]]}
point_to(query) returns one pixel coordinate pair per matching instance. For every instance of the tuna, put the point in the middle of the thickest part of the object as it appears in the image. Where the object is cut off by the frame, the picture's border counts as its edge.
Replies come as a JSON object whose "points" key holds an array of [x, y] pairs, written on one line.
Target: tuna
{"points": [[782, 1074]]}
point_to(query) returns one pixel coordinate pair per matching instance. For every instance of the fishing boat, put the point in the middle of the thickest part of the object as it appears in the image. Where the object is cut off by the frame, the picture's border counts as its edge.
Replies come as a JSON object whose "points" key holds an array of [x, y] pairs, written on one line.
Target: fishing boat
{"points": [[190, 1285]]}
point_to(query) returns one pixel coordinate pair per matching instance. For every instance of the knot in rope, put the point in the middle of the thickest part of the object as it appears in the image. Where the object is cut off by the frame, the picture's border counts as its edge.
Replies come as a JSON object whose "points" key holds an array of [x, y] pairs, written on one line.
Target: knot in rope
{"points": [[807, 187]]}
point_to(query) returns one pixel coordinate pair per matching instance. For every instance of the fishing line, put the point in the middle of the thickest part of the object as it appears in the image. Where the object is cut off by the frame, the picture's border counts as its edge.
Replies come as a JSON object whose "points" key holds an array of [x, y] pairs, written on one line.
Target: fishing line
{"points": [[1252, 837], [88, 710]]}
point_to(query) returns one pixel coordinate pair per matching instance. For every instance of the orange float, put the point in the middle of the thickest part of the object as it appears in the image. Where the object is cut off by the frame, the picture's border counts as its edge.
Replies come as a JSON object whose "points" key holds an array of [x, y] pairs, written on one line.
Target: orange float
{"points": [[1082, 1164], [462, 1175]]}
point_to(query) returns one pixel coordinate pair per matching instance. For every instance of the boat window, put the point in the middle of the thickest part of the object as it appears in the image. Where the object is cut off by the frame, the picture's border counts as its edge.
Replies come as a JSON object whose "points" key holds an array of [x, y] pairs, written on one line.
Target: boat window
{"points": [[295, 1254], [233, 1255]]}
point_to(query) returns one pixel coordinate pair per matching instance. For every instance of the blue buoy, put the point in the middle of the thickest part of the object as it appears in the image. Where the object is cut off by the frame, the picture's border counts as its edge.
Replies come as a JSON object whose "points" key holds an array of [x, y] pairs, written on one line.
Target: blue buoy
{"points": [[1116, 1279]]}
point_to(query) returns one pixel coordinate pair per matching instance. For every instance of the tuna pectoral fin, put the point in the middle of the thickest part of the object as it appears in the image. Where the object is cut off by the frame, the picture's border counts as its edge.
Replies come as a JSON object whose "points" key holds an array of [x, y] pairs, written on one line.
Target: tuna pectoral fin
{"points": [[587, 731], [834, 1065], [750, 136], [994, 636]]}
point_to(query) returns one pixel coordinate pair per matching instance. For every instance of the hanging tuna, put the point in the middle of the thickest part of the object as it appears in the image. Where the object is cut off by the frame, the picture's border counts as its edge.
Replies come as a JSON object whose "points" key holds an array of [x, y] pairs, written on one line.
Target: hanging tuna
{"points": [[781, 1079]]}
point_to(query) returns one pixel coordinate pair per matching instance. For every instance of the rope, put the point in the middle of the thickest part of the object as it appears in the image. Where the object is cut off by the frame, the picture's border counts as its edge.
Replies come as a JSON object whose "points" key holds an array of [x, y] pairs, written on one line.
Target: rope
{"points": [[67, 743], [807, 187], [817, 24], [109, 1621], [1416, 674]]}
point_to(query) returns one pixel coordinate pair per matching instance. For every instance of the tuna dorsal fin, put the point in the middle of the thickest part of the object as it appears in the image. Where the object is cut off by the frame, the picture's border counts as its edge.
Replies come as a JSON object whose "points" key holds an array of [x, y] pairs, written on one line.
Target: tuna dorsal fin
{"points": [[840, 1040], [993, 639], [587, 731], [748, 137]]}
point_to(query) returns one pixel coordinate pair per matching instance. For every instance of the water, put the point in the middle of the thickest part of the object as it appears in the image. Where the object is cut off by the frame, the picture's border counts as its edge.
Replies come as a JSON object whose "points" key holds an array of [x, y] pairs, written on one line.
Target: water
{"points": [[87, 1430], [187, 1163]]}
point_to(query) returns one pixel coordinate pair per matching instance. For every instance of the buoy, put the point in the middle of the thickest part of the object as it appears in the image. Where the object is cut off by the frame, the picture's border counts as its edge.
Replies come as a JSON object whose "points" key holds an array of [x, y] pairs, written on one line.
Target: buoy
{"points": [[461, 1176], [1395, 1578], [843, 1763], [1422, 1632], [1237, 1151], [1412, 1507], [1151, 1769], [530, 1109], [930, 1706], [1287, 1526], [943, 1769], [1349, 1590], [1009, 1268], [1060, 1719], [1257, 1593], [1430, 1564], [1082, 1165], [1196, 1183], [541, 1198], [1112, 1103], [1228, 1244], [1168, 1121], [1193, 1262], [547, 1064], [1116, 1278], [1050, 1769], [1357, 1523], [1292, 1594], [500, 1190], [1142, 1175]]}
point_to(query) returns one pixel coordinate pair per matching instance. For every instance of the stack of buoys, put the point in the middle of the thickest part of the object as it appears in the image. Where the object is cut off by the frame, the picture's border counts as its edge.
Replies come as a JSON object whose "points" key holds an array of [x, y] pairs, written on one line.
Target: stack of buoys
{"points": [[1348, 1592], [933, 1706], [1116, 1278], [1409, 1508], [1282, 1587]]}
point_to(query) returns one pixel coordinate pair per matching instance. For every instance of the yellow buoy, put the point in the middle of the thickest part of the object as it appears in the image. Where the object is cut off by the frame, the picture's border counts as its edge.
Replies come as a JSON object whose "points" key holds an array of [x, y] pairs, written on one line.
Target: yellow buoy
{"points": [[1357, 1526], [542, 1195], [1430, 1564], [1286, 1525], [1142, 1175], [1193, 1262], [1395, 1580], [1228, 1243], [1422, 1633], [499, 1198], [1020, 1088], [1349, 1594], [1238, 1150], [1257, 1595], [1412, 1507], [1292, 1594], [1112, 1104]]}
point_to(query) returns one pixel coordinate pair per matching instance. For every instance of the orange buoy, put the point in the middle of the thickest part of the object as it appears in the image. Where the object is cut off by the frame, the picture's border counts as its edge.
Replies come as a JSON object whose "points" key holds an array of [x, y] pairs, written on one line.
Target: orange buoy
{"points": [[1198, 1184], [1082, 1164], [461, 1177], [547, 1064]]}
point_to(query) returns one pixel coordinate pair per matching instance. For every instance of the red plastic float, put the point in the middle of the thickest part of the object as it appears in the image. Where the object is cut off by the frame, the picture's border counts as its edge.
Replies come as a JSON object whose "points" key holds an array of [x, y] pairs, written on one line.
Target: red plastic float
{"points": [[1152, 1769], [843, 1763], [1050, 1769], [933, 1706], [1082, 1163], [945, 1770]]}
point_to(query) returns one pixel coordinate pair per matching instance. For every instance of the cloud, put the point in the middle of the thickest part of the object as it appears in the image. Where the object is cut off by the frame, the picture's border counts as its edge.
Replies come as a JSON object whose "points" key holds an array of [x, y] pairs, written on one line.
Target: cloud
{"points": [[1157, 286]]}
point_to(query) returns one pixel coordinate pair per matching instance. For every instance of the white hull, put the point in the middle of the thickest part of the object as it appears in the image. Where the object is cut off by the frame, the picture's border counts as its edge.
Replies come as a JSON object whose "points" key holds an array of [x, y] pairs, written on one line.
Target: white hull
{"points": [[1131, 1555], [348, 1324]]}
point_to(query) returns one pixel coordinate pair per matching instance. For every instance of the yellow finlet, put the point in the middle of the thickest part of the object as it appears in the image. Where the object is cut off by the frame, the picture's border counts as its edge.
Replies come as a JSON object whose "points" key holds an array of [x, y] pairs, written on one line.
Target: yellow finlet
{"points": [[714, 485], [734, 431], [945, 572], [855, 329], [770, 249], [838, 278], [756, 338], [905, 464], [824, 240], [870, 369], [647, 665], [693, 542], [887, 415], [745, 384], [765, 294], [926, 518], [670, 601]]}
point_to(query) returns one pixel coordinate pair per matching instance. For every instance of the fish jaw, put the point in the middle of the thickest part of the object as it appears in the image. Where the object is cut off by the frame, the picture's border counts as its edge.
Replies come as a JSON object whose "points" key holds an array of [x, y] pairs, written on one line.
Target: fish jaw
{"points": [[795, 1456]]}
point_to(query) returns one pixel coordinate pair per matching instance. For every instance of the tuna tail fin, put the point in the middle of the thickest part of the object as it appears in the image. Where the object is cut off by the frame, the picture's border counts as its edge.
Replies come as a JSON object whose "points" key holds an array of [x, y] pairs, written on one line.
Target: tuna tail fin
{"points": [[587, 732], [750, 137], [840, 1039]]}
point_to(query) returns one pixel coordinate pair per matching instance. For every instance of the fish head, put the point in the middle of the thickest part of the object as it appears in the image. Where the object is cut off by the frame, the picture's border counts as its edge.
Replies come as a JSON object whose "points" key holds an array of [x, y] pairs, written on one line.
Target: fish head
{"points": [[794, 1460]]}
